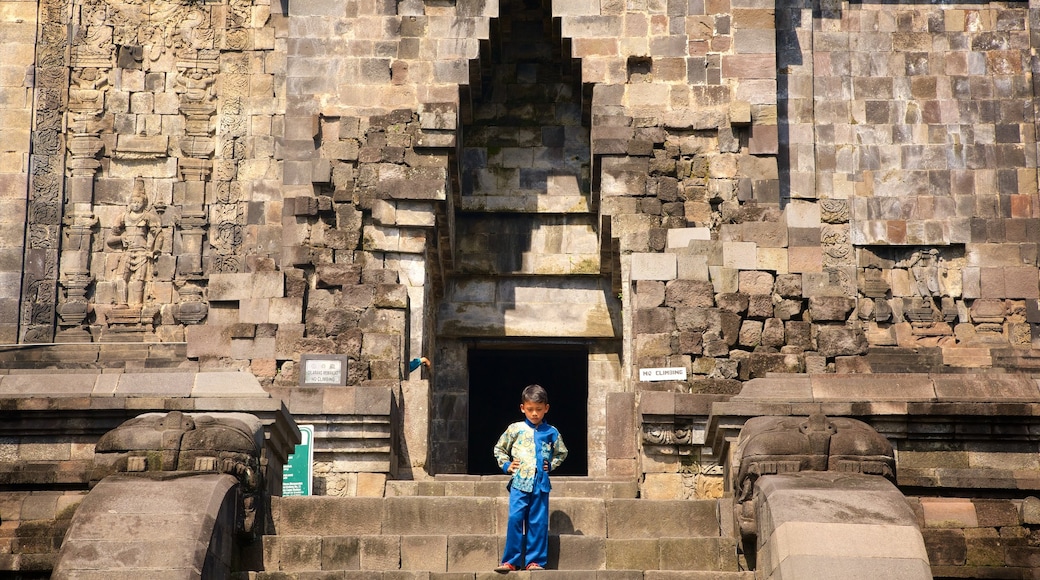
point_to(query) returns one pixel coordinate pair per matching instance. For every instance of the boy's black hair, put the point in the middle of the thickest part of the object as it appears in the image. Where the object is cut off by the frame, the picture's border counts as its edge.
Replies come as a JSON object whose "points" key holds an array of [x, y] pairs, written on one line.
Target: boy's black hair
{"points": [[534, 394]]}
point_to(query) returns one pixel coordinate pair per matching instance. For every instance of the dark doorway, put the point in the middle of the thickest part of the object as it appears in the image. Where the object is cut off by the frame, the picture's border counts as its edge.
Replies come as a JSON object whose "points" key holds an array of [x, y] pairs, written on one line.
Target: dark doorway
{"points": [[496, 379]]}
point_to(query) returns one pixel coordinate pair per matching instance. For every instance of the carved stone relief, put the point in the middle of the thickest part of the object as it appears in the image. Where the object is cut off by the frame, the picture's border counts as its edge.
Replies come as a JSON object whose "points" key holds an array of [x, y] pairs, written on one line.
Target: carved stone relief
{"points": [[108, 73], [920, 285], [43, 219], [136, 239]]}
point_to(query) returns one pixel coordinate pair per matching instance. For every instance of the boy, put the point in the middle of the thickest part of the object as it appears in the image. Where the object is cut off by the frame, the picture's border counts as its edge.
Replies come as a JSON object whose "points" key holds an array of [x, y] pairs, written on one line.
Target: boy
{"points": [[528, 451]]}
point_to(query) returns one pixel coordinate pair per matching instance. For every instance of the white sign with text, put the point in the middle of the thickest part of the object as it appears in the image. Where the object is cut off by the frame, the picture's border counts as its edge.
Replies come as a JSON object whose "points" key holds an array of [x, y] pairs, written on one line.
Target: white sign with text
{"points": [[663, 374]]}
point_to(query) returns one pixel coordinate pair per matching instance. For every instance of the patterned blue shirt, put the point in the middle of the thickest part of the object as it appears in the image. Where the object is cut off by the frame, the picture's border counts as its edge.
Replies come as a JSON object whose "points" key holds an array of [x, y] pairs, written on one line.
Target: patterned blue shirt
{"points": [[533, 446]]}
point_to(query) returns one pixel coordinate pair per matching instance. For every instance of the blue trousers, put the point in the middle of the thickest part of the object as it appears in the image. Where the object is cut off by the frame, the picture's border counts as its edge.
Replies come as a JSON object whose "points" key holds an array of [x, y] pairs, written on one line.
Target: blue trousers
{"points": [[528, 510]]}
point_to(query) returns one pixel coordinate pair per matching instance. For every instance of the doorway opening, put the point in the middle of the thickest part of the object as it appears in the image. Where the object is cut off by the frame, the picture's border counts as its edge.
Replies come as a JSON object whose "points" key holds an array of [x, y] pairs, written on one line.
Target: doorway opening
{"points": [[496, 379]]}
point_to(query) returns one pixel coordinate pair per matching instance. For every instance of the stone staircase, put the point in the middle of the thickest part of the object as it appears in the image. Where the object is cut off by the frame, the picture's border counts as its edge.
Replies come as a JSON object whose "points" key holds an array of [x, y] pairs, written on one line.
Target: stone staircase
{"points": [[453, 529]]}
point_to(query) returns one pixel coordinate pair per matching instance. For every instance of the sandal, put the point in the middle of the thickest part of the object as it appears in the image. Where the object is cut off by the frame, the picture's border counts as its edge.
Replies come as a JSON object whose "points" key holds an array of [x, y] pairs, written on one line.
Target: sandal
{"points": [[505, 567], [534, 566]]}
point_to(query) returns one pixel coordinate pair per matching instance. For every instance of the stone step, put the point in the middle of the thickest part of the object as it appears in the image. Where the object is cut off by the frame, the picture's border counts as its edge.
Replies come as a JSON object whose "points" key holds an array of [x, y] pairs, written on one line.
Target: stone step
{"points": [[478, 553], [486, 575], [614, 519], [495, 486]]}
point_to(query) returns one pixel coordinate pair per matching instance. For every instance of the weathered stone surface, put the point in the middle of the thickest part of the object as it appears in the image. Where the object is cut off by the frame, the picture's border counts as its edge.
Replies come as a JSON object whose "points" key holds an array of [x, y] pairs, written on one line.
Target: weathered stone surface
{"points": [[734, 302], [840, 341], [785, 503], [828, 308], [945, 547], [103, 518], [689, 293]]}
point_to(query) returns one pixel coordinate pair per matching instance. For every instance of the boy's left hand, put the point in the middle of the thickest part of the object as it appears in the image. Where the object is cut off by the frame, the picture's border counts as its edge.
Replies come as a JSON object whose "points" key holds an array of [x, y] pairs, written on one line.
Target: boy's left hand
{"points": [[545, 466]]}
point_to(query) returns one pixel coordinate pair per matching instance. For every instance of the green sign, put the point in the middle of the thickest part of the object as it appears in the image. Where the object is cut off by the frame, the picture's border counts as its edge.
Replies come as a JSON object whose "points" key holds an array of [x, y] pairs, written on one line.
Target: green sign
{"points": [[298, 471]]}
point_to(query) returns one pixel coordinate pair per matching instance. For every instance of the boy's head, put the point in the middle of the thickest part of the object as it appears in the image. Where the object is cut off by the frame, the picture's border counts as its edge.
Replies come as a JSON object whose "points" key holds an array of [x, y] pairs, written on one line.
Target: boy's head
{"points": [[534, 403]]}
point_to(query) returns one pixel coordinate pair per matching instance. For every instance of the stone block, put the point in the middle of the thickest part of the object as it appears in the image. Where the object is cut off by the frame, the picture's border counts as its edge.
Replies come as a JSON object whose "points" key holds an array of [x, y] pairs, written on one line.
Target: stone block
{"points": [[992, 283], [328, 275], [654, 266], [692, 267], [380, 552], [371, 484], [985, 547], [760, 305], [893, 387], [1022, 282], [1027, 557], [689, 293], [471, 553], [985, 388], [424, 553], [736, 302], [621, 437], [739, 255], [834, 282], [805, 259], [755, 282], [230, 286], [830, 308], [381, 346], [653, 345], [373, 400], [773, 259], [802, 214], [654, 320], [416, 515], [1031, 510], [750, 333], [298, 553], [662, 486], [996, 513], [818, 566], [941, 512], [698, 554], [773, 332], [631, 518], [945, 547], [765, 234], [578, 516], [649, 294], [681, 237], [573, 552], [328, 516], [632, 554], [340, 553]]}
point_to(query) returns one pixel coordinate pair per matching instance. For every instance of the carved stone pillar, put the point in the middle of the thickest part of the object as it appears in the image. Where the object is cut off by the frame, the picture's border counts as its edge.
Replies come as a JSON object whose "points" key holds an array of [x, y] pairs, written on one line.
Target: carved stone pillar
{"points": [[195, 78], [91, 62]]}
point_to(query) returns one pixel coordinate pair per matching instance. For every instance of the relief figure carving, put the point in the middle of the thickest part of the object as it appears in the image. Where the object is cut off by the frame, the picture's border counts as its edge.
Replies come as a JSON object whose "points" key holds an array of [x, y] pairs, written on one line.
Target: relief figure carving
{"points": [[924, 266], [196, 85], [137, 233]]}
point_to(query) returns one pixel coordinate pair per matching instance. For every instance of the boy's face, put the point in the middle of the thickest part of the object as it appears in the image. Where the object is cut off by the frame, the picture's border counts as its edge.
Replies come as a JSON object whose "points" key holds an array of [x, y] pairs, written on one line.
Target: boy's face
{"points": [[534, 411]]}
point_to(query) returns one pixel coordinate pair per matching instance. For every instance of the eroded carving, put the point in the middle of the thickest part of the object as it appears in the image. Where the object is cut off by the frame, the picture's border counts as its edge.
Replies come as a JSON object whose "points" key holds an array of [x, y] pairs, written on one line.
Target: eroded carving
{"points": [[156, 443], [920, 285], [668, 434], [774, 445], [834, 211]]}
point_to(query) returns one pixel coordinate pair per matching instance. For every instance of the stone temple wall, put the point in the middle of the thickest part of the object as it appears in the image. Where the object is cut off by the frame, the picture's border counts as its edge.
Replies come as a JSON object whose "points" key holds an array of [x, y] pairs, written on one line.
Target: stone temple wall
{"points": [[827, 187]]}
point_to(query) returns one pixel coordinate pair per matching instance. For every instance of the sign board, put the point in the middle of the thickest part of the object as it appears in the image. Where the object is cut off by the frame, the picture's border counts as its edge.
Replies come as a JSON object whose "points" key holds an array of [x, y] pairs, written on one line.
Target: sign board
{"points": [[298, 472], [663, 374], [323, 369]]}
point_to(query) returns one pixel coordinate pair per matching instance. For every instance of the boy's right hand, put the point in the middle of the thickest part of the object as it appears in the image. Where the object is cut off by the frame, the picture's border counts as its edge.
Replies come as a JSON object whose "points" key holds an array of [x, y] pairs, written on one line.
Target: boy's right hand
{"points": [[514, 466]]}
